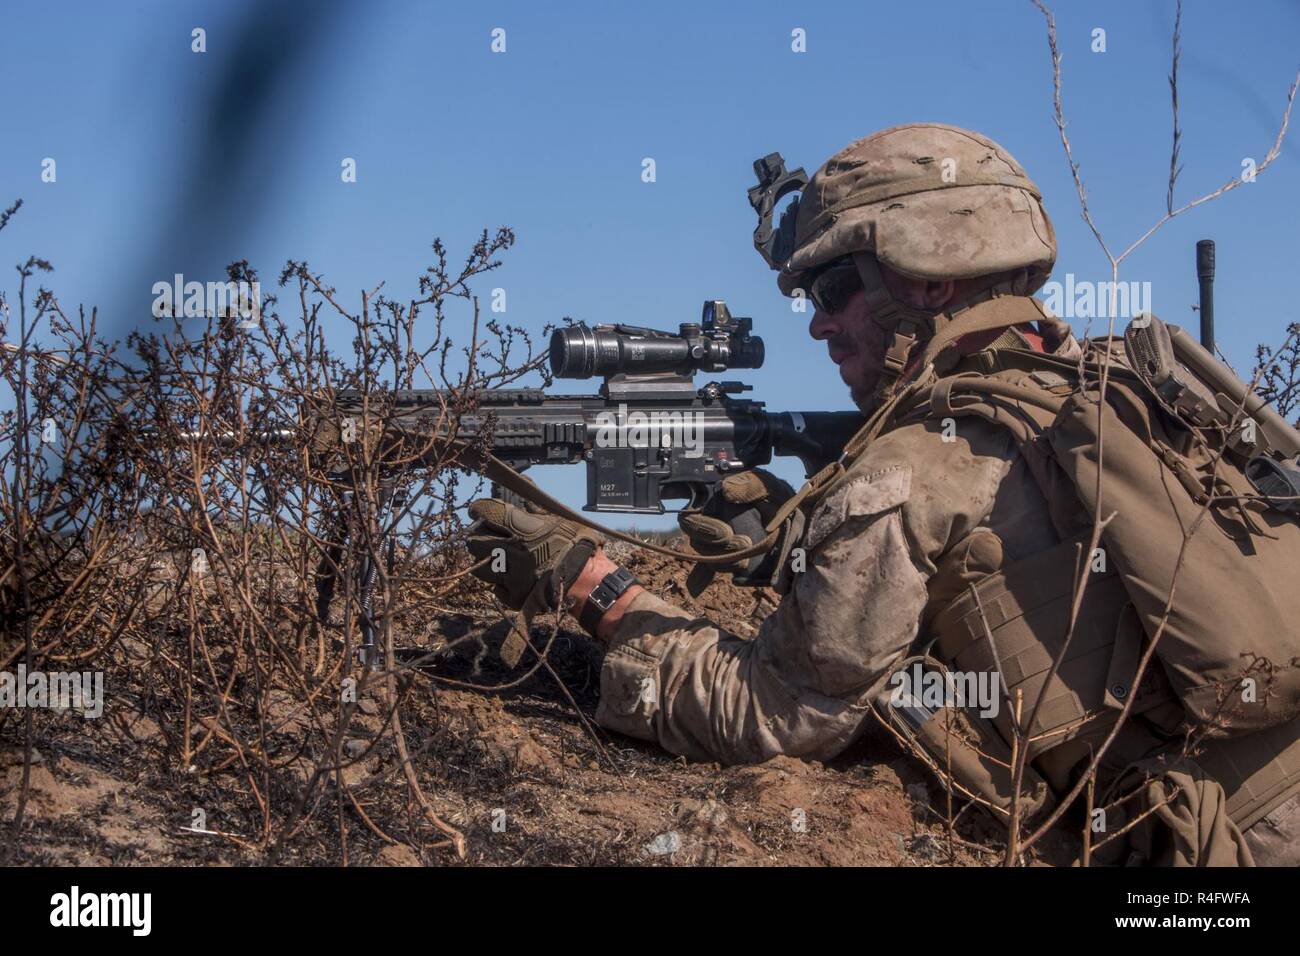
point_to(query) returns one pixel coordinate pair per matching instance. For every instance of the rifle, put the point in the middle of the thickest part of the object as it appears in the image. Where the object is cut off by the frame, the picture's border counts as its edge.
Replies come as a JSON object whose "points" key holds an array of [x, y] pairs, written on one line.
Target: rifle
{"points": [[649, 435]]}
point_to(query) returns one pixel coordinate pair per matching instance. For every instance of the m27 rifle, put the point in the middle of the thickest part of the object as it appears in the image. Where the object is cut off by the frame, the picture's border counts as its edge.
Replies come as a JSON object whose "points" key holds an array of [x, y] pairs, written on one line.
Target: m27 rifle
{"points": [[649, 435]]}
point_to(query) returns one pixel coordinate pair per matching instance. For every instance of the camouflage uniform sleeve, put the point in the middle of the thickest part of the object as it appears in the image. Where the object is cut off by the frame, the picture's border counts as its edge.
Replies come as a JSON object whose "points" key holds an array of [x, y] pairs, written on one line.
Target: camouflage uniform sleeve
{"points": [[803, 685]]}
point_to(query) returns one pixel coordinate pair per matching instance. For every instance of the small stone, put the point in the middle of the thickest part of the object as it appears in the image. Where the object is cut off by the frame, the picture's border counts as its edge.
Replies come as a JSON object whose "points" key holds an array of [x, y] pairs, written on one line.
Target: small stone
{"points": [[664, 844]]}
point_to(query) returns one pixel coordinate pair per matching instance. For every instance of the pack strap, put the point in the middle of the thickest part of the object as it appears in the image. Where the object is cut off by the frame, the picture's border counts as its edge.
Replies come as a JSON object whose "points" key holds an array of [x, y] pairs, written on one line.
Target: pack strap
{"points": [[999, 312], [942, 393]]}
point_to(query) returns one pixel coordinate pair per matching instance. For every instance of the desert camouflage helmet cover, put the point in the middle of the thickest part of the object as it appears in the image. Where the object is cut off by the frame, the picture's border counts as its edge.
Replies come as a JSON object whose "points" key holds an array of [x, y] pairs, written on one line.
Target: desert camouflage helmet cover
{"points": [[930, 201]]}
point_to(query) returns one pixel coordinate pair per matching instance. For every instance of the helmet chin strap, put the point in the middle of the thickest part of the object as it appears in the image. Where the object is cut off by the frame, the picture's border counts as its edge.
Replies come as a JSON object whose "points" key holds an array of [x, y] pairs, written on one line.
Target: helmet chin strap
{"points": [[908, 325]]}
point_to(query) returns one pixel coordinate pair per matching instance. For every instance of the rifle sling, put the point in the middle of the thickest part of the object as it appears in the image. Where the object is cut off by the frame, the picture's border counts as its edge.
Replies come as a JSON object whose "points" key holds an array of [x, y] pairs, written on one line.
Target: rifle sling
{"points": [[507, 477]]}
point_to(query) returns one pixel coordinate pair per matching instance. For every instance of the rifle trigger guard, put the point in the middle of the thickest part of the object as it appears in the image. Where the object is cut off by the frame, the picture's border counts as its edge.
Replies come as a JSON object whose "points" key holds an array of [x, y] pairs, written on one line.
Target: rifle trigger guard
{"points": [[701, 495]]}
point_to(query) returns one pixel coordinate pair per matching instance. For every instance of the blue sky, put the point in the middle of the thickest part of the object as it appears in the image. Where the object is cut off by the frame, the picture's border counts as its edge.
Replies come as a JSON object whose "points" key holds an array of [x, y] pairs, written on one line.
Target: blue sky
{"points": [[159, 172]]}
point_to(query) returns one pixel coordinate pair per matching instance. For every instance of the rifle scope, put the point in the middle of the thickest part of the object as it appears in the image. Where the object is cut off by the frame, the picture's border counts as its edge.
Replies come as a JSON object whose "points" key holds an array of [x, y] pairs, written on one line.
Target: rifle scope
{"points": [[717, 343]]}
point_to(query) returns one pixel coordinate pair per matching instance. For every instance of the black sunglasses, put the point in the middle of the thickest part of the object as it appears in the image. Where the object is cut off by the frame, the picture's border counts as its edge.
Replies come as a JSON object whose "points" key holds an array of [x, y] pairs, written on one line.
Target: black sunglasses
{"points": [[834, 284]]}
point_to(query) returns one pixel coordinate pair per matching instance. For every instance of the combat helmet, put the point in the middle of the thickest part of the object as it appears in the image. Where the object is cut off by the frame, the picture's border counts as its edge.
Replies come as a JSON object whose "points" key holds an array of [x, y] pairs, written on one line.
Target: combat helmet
{"points": [[928, 200]]}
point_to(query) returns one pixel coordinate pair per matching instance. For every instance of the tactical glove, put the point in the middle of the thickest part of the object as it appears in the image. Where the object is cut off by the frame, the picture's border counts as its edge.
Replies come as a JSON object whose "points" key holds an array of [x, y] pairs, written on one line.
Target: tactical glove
{"points": [[733, 520], [521, 550]]}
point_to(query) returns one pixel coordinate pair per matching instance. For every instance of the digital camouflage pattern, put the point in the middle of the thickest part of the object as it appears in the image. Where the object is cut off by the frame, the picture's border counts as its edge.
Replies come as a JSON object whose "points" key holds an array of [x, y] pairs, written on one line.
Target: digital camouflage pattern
{"points": [[930, 201], [920, 517]]}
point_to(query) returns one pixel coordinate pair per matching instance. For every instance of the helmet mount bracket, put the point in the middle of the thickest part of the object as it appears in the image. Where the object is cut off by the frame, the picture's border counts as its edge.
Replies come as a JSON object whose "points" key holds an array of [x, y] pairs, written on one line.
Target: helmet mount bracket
{"points": [[775, 182]]}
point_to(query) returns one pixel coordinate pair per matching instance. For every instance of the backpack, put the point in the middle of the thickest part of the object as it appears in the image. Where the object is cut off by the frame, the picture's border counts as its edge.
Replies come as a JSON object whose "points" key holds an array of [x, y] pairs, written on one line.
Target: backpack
{"points": [[1199, 519]]}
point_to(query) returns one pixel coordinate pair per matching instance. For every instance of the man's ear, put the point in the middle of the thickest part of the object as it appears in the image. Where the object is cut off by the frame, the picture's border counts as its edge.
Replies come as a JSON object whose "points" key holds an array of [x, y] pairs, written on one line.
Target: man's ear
{"points": [[938, 293]]}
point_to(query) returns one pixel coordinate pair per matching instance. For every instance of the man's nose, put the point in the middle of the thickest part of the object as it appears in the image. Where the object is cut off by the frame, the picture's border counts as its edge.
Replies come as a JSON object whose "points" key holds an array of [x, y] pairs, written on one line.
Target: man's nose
{"points": [[823, 326]]}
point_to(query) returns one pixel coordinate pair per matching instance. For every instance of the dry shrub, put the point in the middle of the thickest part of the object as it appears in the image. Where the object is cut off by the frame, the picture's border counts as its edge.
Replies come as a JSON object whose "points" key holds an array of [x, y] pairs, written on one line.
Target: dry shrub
{"points": [[226, 510]]}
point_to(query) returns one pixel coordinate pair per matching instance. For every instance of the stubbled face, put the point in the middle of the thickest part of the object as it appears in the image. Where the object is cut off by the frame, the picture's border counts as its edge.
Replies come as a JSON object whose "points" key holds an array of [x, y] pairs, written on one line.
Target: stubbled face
{"points": [[856, 344]]}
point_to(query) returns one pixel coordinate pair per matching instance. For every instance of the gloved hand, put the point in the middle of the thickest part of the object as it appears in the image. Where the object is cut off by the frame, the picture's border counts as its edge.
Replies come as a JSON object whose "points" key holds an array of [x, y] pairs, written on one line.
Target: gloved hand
{"points": [[532, 547], [735, 519]]}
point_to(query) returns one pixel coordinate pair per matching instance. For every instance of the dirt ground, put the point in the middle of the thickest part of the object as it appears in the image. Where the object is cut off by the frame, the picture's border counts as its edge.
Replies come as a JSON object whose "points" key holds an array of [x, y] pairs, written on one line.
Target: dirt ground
{"points": [[514, 770]]}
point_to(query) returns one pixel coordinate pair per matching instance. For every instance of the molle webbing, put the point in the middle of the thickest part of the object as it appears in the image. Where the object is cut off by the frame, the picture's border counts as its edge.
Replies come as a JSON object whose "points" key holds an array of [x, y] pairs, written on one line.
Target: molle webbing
{"points": [[968, 753], [1257, 771], [1014, 623], [1213, 577], [1223, 600]]}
